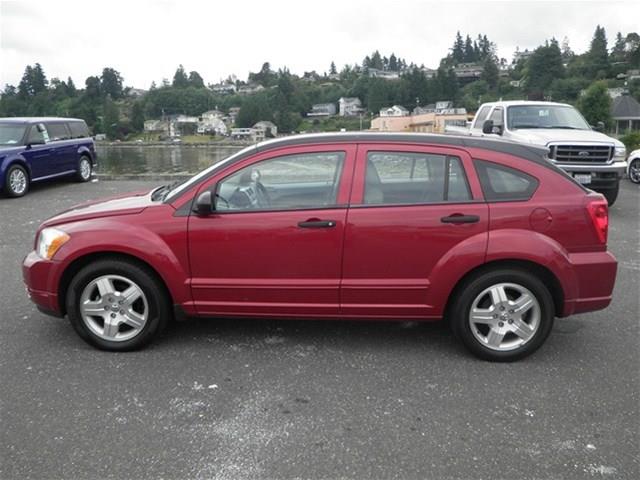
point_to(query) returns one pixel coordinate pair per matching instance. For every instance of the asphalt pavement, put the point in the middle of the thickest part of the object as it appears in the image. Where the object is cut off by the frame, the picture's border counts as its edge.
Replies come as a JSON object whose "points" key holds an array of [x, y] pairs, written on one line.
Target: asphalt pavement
{"points": [[234, 399]]}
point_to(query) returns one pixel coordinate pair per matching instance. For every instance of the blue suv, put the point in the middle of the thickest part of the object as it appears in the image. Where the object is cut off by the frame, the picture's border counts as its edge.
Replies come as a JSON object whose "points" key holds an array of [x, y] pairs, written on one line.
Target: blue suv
{"points": [[35, 149]]}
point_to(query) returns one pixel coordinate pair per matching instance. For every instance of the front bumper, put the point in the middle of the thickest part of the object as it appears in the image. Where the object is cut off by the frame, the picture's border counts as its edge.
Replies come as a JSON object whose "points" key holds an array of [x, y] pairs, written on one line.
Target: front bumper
{"points": [[617, 167], [595, 277], [38, 274]]}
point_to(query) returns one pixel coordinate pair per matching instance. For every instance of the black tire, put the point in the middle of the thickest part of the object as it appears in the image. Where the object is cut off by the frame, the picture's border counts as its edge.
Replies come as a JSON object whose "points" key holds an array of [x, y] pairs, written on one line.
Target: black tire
{"points": [[634, 171], [159, 305], [612, 194], [458, 315], [9, 190], [83, 163]]}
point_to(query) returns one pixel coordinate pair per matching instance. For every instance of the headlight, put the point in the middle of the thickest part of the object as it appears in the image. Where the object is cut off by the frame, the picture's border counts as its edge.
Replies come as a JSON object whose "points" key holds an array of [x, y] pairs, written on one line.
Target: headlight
{"points": [[50, 241], [620, 152]]}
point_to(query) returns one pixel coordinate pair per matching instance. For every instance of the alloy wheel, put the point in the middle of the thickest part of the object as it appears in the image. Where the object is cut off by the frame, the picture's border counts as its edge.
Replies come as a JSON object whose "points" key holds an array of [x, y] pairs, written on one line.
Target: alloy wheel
{"points": [[504, 316], [634, 171], [85, 169], [18, 181], [114, 308]]}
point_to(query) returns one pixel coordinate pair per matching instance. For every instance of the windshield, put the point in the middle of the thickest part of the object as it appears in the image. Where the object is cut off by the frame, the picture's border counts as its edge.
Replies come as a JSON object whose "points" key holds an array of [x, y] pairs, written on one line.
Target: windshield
{"points": [[545, 116], [11, 134], [176, 189]]}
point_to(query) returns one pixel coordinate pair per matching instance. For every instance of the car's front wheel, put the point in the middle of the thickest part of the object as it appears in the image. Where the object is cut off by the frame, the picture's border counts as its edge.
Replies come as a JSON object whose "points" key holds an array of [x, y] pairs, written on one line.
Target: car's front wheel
{"points": [[117, 305], [16, 182], [634, 170], [502, 315]]}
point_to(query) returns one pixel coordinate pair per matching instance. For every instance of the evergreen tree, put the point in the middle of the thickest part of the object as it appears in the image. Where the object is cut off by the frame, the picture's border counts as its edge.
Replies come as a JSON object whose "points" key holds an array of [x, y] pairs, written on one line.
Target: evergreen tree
{"points": [[111, 83], [490, 72], [195, 80], [180, 79], [393, 63], [33, 81], [332, 69], [543, 67], [457, 52], [137, 116], [598, 55], [92, 87], [469, 54], [618, 51], [71, 88]]}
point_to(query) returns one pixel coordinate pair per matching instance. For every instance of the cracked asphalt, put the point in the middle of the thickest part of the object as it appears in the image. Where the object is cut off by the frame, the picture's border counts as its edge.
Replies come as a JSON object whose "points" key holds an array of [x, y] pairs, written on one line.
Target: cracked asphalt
{"points": [[234, 399]]}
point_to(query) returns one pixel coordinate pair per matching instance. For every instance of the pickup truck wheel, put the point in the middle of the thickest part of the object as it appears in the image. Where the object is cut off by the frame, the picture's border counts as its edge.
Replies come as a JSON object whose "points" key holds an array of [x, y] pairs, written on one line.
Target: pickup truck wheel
{"points": [[502, 315], [634, 170], [117, 305], [612, 194], [16, 182], [84, 169]]}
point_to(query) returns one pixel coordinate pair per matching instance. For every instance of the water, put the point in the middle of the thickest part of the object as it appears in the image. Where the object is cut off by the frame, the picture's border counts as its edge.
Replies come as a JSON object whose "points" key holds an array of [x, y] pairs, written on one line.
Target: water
{"points": [[131, 159]]}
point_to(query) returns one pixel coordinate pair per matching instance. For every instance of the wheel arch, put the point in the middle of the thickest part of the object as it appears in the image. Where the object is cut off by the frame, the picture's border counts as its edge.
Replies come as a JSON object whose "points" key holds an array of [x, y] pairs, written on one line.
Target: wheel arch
{"points": [[77, 264], [17, 161], [551, 281]]}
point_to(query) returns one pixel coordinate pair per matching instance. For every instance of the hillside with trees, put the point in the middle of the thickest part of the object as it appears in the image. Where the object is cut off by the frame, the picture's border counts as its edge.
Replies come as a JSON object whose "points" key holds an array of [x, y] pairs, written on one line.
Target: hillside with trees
{"points": [[552, 72]]}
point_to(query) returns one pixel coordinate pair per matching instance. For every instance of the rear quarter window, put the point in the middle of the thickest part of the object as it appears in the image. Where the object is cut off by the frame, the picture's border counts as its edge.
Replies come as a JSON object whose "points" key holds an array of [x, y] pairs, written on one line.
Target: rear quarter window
{"points": [[57, 131], [78, 129], [501, 183]]}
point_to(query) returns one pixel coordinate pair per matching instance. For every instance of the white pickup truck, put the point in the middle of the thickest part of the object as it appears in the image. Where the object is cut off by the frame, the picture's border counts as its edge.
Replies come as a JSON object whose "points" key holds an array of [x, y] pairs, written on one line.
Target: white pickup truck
{"points": [[592, 158]]}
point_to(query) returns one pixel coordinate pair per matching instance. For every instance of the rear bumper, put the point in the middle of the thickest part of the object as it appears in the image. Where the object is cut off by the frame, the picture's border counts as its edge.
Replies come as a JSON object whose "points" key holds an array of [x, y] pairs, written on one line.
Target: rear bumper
{"points": [[595, 277], [37, 274]]}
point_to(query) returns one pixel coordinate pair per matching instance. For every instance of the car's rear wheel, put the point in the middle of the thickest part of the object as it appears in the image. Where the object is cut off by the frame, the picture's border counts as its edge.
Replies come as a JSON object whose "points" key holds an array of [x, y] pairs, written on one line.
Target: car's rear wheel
{"points": [[634, 170], [502, 315], [117, 305], [612, 194], [16, 182], [84, 169]]}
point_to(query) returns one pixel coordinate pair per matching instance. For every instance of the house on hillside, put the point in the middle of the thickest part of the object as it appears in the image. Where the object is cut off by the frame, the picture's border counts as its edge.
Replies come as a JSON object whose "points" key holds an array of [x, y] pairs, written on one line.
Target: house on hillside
{"points": [[212, 122], [428, 72], [625, 112], [224, 88], [521, 55], [233, 113], [322, 110], [156, 126], [468, 72], [395, 111], [431, 108], [248, 134], [384, 74], [430, 122], [250, 88], [350, 106], [269, 129]]}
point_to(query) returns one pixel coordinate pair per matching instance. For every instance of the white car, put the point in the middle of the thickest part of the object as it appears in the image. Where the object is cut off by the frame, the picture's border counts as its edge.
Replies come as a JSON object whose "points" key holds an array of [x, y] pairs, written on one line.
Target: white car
{"points": [[633, 170]]}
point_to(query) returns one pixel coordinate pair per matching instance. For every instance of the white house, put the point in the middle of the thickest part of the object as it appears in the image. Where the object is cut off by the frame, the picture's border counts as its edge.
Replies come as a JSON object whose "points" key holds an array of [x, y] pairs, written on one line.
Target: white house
{"points": [[384, 74], [322, 110], [156, 126], [350, 106], [211, 122], [268, 128], [250, 88], [224, 88], [251, 134], [395, 111]]}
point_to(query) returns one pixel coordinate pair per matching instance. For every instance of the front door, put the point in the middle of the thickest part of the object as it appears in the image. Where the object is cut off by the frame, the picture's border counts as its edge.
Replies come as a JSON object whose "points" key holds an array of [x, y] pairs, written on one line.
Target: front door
{"points": [[39, 152], [273, 246], [412, 210]]}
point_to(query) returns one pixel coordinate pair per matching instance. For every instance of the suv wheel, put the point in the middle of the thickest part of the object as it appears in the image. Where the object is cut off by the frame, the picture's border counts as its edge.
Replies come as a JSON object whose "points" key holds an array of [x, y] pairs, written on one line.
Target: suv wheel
{"points": [[634, 170], [84, 169], [117, 305], [503, 315], [16, 182]]}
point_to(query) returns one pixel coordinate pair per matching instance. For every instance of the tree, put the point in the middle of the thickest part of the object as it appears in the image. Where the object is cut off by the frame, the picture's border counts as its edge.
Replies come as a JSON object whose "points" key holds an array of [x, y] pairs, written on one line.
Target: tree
{"points": [[111, 118], [595, 104], [490, 73], [33, 81], [254, 109], [332, 69], [619, 48], [93, 87], [71, 88], [111, 83], [457, 51], [376, 61], [393, 63], [137, 116], [469, 53], [598, 55], [195, 80], [543, 67], [265, 77], [567, 53], [180, 79]]}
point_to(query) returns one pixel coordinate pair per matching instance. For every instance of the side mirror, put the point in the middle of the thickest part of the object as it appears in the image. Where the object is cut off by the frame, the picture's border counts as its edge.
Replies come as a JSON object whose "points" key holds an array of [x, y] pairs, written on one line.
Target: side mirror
{"points": [[600, 127], [487, 126], [204, 204]]}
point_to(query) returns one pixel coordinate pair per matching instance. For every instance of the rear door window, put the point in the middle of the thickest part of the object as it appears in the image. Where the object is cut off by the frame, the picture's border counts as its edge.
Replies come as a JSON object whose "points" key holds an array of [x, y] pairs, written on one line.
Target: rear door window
{"points": [[78, 129], [396, 178], [500, 183], [58, 131]]}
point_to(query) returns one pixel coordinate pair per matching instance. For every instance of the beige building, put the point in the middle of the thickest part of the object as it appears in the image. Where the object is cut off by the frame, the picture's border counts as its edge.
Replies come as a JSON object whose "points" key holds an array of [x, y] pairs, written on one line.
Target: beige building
{"points": [[432, 122]]}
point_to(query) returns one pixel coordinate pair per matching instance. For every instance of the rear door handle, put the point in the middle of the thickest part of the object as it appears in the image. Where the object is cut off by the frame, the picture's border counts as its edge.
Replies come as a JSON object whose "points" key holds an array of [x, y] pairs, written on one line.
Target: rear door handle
{"points": [[459, 218], [314, 223]]}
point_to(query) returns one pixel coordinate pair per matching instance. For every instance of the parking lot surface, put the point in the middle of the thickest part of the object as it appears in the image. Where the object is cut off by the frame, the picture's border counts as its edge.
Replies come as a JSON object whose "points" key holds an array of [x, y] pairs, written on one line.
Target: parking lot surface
{"points": [[232, 399]]}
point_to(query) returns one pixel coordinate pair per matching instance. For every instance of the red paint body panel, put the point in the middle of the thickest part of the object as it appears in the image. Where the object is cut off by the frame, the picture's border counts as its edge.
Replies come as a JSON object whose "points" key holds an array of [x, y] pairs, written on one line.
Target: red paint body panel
{"points": [[378, 261]]}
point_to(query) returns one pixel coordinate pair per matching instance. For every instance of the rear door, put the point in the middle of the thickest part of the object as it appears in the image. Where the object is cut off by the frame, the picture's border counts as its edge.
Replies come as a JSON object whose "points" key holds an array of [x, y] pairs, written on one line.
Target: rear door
{"points": [[413, 210], [63, 148]]}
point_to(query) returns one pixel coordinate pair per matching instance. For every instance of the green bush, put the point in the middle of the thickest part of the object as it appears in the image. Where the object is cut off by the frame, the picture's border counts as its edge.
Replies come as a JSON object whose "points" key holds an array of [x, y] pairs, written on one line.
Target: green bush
{"points": [[631, 140]]}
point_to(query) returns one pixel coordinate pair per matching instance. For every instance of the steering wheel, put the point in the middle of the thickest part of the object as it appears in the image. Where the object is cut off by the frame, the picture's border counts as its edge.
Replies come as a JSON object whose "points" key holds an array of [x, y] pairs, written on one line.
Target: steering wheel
{"points": [[252, 195]]}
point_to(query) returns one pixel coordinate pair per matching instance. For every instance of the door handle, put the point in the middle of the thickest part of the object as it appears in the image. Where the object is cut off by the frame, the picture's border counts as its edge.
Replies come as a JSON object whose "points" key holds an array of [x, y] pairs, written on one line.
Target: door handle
{"points": [[316, 223], [459, 218]]}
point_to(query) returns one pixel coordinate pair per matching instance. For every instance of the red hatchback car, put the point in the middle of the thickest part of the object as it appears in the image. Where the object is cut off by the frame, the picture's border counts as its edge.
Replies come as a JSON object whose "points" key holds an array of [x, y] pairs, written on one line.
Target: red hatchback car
{"points": [[484, 233]]}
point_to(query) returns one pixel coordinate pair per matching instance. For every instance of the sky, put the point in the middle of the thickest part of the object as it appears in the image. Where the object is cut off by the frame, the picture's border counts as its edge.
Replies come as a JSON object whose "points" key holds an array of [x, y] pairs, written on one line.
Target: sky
{"points": [[146, 40]]}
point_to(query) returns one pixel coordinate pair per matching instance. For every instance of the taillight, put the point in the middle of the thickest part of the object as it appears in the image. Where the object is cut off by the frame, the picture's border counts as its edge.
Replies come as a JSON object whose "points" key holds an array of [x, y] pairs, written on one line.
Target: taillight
{"points": [[599, 213]]}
